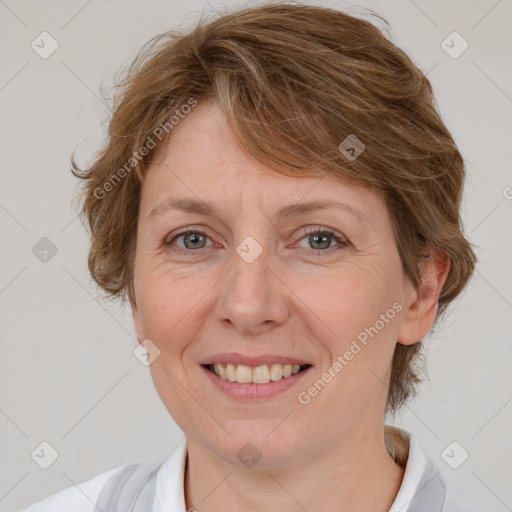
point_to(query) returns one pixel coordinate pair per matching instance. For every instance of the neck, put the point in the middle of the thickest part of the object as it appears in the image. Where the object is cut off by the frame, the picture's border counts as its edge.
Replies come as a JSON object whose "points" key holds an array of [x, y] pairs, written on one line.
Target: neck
{"points": [[362, 473]]}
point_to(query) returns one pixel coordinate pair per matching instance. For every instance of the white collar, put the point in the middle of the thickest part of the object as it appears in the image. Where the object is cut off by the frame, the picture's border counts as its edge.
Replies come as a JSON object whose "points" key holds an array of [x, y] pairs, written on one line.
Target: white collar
{"points": [[412, 475], [170, 481], [170, 489]]}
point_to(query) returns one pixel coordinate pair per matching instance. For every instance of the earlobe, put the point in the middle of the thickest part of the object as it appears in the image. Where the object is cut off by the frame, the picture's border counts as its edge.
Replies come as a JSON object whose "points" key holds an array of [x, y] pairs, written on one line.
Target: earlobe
{"points": [[422, 303]]}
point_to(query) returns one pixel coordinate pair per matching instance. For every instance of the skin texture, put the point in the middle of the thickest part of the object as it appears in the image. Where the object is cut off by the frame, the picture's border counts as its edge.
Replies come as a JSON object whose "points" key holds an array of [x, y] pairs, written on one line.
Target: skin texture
{"points": [[300, 297]]}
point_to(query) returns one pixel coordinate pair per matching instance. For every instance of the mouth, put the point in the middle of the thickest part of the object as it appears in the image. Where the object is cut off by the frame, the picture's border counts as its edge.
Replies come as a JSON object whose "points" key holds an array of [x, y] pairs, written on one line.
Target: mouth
{"points": [[263, 374], [243, 382]]}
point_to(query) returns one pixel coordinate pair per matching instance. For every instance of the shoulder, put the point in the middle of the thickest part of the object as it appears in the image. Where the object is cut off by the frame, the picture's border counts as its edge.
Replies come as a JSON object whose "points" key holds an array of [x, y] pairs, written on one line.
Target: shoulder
{"points": [[423, 487], [79, 498], [457, 502]]}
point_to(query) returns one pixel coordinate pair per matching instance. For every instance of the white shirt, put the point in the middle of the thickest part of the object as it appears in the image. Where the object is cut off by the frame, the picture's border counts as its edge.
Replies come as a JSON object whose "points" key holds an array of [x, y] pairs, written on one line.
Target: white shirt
{"points": [[170, 494]]}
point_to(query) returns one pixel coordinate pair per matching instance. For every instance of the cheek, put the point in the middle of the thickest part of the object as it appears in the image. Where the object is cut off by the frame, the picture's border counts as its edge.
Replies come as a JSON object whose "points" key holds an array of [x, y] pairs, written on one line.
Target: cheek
{"points": [[167, 307], [351, 301], [361, 307]]}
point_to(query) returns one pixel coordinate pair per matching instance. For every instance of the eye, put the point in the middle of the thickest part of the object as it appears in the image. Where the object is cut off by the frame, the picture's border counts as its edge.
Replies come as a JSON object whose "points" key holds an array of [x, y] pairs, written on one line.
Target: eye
{"points": [[192, 239], [320, 240]]}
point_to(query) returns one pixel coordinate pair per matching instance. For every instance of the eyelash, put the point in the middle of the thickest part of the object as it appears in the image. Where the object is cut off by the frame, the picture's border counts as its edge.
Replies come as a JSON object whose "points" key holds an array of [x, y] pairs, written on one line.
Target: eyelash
{"points": [[341, 241]]}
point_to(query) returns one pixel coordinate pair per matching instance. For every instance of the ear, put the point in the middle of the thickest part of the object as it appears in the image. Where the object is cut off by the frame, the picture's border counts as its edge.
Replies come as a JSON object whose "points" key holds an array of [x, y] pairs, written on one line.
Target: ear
{"points": [[421, 304], [137, 324]]}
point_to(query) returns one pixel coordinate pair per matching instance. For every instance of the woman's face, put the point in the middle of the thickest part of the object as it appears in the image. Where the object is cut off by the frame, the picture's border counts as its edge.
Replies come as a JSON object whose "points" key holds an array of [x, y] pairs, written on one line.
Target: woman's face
{"points": [[252, 281]]}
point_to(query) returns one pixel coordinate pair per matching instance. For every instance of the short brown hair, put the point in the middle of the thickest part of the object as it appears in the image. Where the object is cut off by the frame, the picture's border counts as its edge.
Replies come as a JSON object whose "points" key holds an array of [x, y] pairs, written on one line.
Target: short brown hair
{"points": [[294, 81]]}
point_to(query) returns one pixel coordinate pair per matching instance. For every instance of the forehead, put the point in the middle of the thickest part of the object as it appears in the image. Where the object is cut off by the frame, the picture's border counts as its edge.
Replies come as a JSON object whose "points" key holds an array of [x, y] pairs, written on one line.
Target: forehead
{"points": [[204, 160], [205, 145]]}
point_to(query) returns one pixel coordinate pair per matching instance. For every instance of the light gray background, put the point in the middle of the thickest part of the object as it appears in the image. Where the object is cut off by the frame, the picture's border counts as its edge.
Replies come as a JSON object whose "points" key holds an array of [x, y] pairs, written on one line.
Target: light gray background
{"points": [[68, 375]]}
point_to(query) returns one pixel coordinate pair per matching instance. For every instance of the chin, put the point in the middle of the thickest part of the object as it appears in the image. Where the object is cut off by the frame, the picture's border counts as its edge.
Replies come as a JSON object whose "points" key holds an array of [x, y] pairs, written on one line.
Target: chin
{"points": [[257, 446]]}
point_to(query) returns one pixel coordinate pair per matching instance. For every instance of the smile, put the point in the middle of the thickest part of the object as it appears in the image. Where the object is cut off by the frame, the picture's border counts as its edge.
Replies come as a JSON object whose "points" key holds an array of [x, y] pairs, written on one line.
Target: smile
{"points": [[254, 383], [262, 374]]}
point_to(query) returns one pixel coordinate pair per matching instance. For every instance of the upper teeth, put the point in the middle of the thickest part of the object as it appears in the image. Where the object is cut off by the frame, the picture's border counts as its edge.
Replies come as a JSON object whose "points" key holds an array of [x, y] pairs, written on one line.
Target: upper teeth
{"points": [[258, 375]]}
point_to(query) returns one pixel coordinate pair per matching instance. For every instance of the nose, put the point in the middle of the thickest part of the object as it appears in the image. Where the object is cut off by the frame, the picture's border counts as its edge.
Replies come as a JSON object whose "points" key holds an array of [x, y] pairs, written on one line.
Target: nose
{"points": [[253, 298]]}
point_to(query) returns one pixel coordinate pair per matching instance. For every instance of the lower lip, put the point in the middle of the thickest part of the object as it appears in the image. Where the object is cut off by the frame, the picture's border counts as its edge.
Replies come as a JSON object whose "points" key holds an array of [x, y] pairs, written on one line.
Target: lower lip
{"points": [[254, 391]]}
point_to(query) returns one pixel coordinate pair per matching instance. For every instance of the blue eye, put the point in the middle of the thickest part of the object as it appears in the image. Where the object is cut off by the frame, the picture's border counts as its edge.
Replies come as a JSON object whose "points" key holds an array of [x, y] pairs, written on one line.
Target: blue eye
{"points": [[323, 237], [195, 239], [192, 238]]}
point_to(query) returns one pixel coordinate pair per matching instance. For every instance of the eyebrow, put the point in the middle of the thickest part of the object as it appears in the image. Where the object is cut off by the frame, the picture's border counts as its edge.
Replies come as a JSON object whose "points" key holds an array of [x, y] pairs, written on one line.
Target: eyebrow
{"points": [[190, 205]]}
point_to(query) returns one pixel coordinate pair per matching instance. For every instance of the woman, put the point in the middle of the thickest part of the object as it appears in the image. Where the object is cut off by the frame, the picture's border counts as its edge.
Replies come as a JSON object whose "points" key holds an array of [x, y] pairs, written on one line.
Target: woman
{"points": [[279, 201]]}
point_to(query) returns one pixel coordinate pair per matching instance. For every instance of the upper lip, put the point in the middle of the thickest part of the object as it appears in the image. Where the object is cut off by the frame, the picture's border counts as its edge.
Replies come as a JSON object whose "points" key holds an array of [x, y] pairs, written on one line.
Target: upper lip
{"points": [[234, 358]]}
